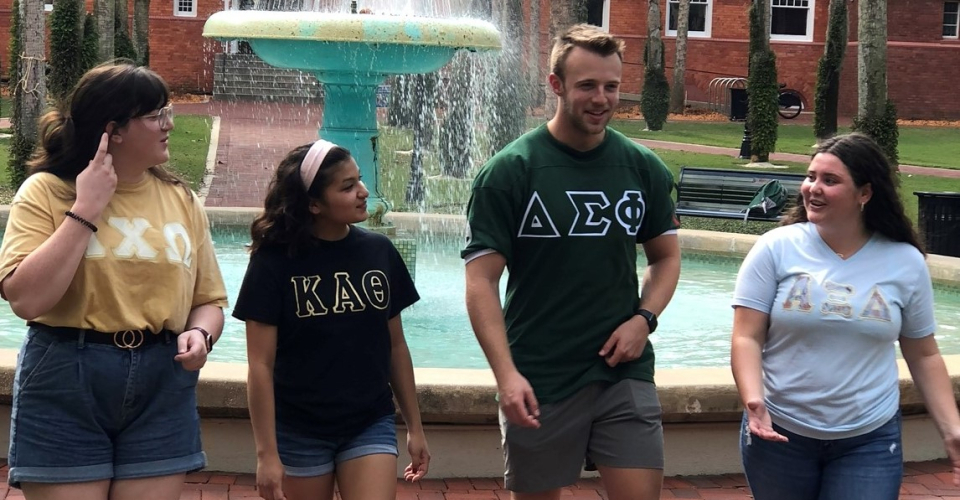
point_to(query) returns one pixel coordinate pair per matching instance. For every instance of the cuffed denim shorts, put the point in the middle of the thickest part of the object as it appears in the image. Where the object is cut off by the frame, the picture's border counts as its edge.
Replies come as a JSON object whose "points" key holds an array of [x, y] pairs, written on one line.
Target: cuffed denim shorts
{"points": [[88, 412], [306, 456]]}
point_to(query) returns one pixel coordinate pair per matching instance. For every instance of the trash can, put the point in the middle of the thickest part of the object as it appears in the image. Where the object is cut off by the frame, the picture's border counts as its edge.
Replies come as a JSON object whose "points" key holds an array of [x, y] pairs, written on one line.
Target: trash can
{"points": [[738, 105], [940, 222]]}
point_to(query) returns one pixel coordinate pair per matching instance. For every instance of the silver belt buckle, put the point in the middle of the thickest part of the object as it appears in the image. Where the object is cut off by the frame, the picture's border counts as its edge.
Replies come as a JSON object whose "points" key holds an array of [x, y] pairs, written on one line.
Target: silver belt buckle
{"points": [[128, 339]]}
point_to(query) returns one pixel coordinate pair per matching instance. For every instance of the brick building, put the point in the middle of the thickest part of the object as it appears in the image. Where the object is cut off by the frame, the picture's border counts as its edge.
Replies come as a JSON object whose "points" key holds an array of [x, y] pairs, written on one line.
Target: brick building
{"points": [[923, 48], [923, 51]]}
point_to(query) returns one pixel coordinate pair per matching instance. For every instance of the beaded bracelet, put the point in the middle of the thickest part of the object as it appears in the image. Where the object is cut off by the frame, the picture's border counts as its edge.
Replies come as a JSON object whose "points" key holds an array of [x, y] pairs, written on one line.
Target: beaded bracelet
{"points": [[89, 225]]}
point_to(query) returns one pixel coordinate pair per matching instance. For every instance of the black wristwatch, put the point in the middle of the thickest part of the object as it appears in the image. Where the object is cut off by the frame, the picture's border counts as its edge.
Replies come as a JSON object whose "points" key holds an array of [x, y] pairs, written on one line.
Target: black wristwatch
{"points": [[650, 317], [207, 337]]}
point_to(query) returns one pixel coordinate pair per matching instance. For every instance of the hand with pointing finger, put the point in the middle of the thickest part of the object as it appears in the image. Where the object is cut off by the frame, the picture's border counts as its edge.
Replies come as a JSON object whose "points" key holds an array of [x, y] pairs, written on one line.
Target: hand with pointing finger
{"points": [[96, 184]]}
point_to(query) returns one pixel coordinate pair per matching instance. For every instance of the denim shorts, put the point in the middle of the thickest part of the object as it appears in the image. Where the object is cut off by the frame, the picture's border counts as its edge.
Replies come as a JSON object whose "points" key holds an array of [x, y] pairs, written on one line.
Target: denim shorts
{"points": [[865, 467], [89, 412], [306, 456]]}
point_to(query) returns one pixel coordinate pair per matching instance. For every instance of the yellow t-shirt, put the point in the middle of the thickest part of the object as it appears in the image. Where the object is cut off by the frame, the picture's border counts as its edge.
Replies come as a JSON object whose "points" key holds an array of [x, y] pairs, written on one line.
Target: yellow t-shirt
{"points": [[148, 266]]}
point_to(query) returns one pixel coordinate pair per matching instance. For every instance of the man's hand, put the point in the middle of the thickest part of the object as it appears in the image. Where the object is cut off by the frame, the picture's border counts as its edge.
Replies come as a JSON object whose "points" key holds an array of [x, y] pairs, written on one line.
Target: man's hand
{"points": [[518, 402], [627, 341]]}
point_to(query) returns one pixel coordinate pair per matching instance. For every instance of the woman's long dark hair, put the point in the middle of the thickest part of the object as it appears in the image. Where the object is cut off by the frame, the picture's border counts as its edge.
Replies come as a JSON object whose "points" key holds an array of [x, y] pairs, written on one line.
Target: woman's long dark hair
{"points": [[867, 164], [286, 219], [112, 92]]}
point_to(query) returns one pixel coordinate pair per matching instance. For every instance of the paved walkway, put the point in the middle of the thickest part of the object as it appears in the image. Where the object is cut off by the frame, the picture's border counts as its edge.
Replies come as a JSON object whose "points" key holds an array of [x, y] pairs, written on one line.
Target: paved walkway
{"points": [[921, 481]]}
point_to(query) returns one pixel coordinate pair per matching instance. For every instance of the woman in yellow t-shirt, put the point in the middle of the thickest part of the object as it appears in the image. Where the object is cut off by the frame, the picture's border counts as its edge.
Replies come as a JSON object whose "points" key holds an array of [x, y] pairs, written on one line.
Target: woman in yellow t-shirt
{"points": [[109, 259]]}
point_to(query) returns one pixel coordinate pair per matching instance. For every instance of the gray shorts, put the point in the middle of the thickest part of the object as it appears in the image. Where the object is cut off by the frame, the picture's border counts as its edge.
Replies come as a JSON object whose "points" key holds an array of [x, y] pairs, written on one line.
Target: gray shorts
{"points": [[608, 425]]}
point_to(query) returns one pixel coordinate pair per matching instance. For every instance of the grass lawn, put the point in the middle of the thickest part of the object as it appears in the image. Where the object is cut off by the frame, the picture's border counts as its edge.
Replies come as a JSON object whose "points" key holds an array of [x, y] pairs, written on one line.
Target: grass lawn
{"points": [[923, 146], [189, 143], [445, 195]]}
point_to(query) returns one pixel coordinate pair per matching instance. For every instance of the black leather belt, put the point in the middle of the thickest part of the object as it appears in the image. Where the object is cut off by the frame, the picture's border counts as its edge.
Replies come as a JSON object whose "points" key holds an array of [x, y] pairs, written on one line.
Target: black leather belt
{"points": [[124, 339]]}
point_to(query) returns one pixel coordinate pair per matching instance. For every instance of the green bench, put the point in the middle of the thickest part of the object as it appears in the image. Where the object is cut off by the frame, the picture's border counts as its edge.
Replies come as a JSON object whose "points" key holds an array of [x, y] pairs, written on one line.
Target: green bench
{"points": [[725, 194]]}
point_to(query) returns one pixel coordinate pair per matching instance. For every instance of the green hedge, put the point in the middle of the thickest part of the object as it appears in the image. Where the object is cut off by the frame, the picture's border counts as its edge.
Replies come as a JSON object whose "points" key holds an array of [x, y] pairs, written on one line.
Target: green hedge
{"points": [[655, 99], [66, 61], [883, 129]]}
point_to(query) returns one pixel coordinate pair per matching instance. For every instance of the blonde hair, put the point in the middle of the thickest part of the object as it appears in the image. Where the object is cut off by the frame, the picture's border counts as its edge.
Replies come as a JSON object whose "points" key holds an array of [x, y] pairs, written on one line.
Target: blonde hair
{"points": [[587, 37]]}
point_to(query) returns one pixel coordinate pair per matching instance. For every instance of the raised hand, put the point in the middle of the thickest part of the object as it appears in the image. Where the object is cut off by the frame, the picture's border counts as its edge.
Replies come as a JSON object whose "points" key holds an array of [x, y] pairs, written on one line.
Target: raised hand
{"points": [[96, 184]]}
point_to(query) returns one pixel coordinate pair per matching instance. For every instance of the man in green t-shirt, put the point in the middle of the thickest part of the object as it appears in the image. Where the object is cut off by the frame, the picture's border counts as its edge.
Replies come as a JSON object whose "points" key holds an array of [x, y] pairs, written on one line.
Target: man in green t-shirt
{"points": [[563, 208]]}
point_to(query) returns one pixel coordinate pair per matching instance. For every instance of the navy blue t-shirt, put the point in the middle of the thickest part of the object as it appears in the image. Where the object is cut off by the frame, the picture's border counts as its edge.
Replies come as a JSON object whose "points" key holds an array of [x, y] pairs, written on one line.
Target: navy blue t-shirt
{"points": [[331, 307]]}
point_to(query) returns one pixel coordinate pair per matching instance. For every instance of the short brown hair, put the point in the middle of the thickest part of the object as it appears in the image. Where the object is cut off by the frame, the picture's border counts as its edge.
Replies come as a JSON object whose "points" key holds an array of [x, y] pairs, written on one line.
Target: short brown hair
{"points": [[585, 36]]}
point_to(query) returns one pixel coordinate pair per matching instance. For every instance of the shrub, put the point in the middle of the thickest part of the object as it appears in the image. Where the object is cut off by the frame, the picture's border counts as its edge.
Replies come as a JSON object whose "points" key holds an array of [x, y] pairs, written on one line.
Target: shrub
{"points": [[827, 91], [90, 54], [66, 65], [655, 99], [883, 129]]}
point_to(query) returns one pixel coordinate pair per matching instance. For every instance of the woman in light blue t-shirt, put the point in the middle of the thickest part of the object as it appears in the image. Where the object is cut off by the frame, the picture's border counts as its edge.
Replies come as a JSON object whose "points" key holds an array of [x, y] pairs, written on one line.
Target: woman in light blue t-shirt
{"points": [[819, 305]]}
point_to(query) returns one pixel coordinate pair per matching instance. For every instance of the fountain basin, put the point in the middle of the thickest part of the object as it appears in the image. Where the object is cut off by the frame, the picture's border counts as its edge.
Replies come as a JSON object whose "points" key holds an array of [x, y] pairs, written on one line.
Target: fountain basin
{"points": [[352, 43]]}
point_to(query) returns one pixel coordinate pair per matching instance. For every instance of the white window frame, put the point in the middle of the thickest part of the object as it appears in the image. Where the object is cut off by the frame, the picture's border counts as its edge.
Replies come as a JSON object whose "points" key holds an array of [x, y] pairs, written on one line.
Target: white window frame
{"points": [[956, 20], [605, 21], [179, 13], [707, 25], [811, 12]]}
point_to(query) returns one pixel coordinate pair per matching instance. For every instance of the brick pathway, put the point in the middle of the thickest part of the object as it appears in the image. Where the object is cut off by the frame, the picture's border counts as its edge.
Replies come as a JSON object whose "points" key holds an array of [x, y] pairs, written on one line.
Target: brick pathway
{"points": [[254, 136], [922, 481]]}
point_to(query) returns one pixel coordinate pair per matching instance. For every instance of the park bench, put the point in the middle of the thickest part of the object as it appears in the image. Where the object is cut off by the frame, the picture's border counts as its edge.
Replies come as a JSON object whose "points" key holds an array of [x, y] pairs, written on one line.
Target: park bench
{"points": [[716, 193]]}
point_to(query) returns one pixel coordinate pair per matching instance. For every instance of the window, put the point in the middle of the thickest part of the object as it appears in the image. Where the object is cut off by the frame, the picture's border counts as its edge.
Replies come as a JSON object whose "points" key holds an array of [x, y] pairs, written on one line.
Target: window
{"points": [[698, 21], [791, 20], [598, 13], [951, 13], [185, 8]]}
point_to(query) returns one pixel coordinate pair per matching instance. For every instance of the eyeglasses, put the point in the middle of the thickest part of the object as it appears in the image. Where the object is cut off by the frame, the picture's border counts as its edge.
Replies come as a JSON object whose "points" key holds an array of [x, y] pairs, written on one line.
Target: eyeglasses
{"points": [[163, 116]]}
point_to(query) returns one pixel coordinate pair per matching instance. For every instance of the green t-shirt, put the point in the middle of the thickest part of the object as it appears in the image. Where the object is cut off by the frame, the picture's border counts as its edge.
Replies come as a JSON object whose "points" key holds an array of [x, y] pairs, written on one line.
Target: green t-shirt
{"points": [[568, 223]]}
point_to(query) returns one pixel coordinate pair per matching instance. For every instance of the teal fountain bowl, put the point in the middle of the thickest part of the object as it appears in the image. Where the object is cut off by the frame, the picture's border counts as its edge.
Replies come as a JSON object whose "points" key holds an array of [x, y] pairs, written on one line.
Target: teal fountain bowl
{"points": [[353, 44]]}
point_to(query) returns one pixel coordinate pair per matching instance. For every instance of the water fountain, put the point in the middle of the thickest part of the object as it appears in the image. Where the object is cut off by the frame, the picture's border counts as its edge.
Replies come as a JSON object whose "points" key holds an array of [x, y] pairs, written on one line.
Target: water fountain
{"points": [[351, 55]]}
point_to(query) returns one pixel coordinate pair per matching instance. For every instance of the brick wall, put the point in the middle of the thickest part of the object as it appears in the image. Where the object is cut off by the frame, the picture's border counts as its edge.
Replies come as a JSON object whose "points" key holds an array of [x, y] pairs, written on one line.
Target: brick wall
{"points": [[920, 62], [921, 65]]}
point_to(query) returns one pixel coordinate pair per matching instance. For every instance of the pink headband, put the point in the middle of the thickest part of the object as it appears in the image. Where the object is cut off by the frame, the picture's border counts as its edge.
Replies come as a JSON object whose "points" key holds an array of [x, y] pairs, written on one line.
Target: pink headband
{"points": [[311, 162]]}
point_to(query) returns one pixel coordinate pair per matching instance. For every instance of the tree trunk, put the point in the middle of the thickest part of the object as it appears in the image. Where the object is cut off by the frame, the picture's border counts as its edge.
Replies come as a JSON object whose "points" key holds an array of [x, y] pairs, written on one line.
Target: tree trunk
{"points": [[507, 122], [141, 30], [563, 14], [654, 55], [33, 84], [105, 11], [678, 90], [533, 57], [872, 60], [123, 14]]}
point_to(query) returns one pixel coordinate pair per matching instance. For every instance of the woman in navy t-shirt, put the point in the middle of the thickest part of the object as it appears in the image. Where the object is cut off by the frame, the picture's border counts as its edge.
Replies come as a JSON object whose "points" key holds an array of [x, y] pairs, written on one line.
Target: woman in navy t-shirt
{"points": [[322, 300]]}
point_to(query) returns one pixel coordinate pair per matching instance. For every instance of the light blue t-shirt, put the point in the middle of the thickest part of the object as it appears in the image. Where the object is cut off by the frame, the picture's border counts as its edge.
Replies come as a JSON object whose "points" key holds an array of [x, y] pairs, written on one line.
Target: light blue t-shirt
{"points": [[829, 362]]}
